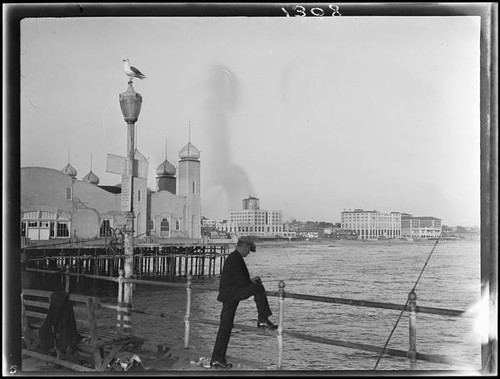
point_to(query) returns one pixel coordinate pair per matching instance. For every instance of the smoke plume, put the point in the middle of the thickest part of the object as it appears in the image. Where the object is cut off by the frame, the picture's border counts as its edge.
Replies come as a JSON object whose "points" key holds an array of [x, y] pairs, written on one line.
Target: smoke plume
{"points": [[227, 183]]}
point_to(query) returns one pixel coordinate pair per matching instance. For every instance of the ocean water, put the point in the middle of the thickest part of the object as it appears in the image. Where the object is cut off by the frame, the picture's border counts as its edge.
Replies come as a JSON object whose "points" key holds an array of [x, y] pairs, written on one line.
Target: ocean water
{"points": [[374, 271]]}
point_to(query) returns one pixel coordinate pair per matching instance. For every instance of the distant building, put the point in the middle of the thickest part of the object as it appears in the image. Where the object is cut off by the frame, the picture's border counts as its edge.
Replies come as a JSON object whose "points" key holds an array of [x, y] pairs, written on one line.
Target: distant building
{"points": [[221, 226], [370, 225], [420, 227], [251, 220], [341, 234], [310, 231]]}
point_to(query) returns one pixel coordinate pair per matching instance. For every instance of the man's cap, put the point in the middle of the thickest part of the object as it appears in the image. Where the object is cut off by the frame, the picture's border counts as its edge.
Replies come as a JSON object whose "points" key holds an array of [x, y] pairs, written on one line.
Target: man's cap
{"points": [[247, 240]]}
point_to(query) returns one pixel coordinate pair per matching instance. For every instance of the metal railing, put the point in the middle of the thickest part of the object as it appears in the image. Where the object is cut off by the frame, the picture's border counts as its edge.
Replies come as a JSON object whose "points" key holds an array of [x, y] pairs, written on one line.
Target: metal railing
{"points": [[125, 310]]}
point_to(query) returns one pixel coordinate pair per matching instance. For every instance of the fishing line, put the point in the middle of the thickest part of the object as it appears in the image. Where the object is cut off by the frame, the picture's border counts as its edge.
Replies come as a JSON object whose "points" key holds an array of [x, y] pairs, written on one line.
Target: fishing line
{"points": [[406, 304]]}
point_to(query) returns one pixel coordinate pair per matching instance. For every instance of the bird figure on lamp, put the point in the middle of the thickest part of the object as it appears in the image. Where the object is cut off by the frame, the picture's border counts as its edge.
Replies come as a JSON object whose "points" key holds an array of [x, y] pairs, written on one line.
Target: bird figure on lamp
{"points": [[131, 71]]}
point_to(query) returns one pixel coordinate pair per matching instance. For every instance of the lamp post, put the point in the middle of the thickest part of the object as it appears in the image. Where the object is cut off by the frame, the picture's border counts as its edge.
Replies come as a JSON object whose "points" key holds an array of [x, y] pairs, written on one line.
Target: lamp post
{"points": [[130, 103]]}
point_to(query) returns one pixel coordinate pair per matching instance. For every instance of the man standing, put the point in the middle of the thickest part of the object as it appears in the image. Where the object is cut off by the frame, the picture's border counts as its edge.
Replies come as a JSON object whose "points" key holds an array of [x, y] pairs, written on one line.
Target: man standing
{"points": [[235, 285]]}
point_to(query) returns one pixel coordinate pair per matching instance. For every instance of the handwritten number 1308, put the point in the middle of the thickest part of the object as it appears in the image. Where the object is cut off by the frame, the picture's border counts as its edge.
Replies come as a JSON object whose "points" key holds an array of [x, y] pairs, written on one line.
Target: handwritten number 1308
{"points": [[302, 11]]}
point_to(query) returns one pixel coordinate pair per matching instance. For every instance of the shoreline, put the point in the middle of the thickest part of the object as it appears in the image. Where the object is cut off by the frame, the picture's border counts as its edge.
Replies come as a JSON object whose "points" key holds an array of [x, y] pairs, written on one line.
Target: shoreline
{"points": [[342, 242]]}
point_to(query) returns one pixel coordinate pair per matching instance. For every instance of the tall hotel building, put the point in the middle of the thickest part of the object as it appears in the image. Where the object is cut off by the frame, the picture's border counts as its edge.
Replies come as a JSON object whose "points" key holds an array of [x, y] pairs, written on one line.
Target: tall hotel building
{"points": [[251, 220], [372, 224]]}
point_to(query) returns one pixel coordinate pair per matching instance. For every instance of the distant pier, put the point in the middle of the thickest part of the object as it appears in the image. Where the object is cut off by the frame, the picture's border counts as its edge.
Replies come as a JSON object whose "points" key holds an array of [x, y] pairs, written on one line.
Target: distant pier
{"points": [[155, 262]]}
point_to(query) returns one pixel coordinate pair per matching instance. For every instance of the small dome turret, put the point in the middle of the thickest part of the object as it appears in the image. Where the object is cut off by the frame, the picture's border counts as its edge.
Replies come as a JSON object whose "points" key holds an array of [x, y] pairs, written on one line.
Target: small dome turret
{"points": [[166, 169], [70, 171], [91, 178], [189, 152], [165, 175]]}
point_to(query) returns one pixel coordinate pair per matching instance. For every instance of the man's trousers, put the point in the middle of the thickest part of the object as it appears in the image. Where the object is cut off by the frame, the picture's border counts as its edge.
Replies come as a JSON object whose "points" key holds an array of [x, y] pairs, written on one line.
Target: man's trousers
{"points": [[227, 317]]}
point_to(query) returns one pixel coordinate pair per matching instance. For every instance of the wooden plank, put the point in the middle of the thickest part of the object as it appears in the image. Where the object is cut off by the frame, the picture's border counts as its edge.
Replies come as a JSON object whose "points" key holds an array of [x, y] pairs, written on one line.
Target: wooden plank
{"points": [[37, 304], [112, 337], [48, 358], [80, 311], [82, 324], [35, 323], [34, 314], [91, 318], [81, 298], [109, 306], [33, 292]]}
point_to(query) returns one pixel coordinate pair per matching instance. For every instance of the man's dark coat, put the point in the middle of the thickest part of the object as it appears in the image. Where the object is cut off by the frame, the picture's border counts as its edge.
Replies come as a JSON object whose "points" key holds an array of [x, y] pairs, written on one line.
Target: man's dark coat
{"points": [[234, 278]]}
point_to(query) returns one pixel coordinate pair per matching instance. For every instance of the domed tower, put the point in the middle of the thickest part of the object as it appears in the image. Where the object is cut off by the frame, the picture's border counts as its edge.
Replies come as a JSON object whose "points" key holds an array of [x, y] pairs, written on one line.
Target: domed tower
{"points": [[165, 176], [91, 177], [189, 186], [189, 152]]}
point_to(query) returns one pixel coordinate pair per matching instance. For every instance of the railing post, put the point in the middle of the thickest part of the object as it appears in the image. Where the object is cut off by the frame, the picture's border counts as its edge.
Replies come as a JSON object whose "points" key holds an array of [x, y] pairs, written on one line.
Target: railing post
{"points": [[120, 299], [67, 276], [279, 332], [188, 311], [412, 352]]}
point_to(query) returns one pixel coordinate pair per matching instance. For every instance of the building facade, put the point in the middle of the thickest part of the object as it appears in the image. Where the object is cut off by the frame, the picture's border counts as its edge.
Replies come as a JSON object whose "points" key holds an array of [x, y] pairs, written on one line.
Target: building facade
{"points": [[57, 205], [420, 227], [370, 225], [377, 225], [251, 220]]}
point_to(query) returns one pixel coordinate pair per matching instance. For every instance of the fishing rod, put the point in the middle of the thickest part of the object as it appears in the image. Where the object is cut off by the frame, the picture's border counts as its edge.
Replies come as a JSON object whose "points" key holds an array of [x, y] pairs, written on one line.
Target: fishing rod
{"points": [[406, 304]]}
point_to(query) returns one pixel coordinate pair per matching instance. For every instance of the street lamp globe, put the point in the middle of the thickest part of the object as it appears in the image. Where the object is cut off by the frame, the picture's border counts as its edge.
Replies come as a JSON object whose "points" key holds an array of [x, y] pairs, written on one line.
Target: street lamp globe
{"points": [[130, 103]]}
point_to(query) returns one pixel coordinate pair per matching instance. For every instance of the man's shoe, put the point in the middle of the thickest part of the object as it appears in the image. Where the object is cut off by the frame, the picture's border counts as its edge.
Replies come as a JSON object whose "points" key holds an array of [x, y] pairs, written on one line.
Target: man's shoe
{"points": [[217, 364], [266, 324]]}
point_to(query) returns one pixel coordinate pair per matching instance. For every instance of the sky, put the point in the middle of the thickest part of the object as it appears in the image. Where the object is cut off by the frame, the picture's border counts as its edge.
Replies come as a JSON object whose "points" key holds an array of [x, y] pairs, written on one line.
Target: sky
{"points": [[312, 115]]}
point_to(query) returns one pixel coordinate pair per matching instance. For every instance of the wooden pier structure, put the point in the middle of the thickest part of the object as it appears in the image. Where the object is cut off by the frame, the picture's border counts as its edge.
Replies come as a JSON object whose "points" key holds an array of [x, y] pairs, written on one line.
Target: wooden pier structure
{"points": [[155, 262]]}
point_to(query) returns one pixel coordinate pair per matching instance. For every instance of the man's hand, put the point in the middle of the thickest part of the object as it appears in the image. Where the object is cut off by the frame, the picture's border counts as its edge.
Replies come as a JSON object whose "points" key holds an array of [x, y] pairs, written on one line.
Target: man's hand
{"points": [[256, 279]]}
